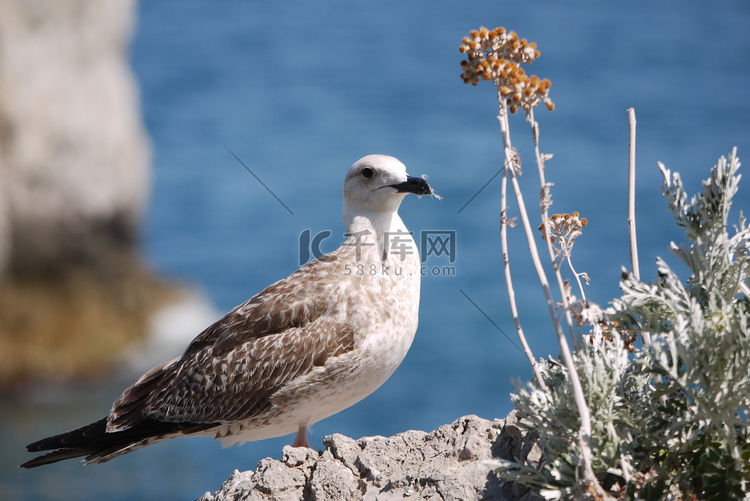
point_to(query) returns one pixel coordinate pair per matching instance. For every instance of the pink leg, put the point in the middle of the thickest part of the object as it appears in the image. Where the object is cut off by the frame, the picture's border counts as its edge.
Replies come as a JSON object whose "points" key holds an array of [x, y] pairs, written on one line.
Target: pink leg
{"points": [[301, 439]]}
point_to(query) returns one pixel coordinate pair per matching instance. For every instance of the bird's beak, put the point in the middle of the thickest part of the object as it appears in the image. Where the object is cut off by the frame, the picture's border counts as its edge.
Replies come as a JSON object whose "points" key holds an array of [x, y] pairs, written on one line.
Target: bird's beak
{"points": [[415, 185]]}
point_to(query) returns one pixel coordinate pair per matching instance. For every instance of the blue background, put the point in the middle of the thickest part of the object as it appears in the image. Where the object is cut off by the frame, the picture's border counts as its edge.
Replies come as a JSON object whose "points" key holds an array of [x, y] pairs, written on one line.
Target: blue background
{"points": [[301, 90]]}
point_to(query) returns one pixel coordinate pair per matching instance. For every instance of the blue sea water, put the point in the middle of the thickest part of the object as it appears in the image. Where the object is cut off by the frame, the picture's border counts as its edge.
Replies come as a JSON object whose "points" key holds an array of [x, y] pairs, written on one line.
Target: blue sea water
{"points": [[300, 90]]}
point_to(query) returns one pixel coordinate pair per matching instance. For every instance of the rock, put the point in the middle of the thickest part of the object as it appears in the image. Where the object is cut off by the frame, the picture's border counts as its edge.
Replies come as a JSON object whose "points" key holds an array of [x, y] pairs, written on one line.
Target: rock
{"points": [[74, 181], [454, 462], [74, 158]]}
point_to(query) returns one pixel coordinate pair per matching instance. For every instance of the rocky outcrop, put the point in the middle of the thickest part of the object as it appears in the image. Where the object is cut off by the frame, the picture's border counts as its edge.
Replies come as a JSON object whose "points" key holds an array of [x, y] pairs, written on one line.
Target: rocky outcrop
{"points": [[74, 179], [454, 462]]}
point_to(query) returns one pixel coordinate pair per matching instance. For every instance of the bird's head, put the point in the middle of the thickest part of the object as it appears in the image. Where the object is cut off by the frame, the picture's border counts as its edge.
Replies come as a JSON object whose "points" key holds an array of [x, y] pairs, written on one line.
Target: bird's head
{"points": [[378, 184]]}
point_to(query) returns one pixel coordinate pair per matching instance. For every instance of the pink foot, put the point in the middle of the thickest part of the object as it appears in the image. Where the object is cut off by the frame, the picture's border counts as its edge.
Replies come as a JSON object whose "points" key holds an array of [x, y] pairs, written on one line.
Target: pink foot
{"points": [[300, 440]]}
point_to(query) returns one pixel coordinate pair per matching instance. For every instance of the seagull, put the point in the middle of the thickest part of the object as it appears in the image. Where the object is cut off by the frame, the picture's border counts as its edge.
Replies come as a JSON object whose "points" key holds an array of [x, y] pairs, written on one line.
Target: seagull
{"points": [[303, 349]]}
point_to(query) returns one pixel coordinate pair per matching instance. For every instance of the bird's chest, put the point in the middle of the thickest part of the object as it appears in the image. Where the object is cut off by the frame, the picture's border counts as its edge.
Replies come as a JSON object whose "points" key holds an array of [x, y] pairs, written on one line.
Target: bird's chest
{"points": [[389, 319]]}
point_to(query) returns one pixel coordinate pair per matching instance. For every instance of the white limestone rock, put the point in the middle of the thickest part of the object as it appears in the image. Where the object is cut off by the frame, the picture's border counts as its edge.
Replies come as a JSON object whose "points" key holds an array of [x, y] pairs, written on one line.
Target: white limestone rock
{"points": [[451, 463]]}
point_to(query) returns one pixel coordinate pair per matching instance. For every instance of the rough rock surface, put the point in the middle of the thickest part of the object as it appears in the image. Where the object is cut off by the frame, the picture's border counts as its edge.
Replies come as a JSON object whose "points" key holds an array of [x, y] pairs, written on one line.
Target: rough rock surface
{"points": [[454, 462]]}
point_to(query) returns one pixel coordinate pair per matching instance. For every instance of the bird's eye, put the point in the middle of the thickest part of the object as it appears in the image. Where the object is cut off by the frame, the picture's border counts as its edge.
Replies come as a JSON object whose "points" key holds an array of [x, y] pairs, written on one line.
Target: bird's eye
{"points": [[367, 172]]}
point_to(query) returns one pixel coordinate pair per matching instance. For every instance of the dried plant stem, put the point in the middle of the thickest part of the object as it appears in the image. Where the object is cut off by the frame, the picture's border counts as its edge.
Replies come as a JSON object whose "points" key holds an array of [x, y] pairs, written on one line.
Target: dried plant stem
{"points": [[544, 204], [634, 266], [509, 282], [578, 277], [583, 410]]}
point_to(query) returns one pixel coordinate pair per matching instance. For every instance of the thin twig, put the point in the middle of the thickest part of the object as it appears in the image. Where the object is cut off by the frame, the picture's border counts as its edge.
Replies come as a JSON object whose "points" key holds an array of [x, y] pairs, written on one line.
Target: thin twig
{"points": [[545, 221], [583, 410], [509, 281], [576, 275], [634, 266]]}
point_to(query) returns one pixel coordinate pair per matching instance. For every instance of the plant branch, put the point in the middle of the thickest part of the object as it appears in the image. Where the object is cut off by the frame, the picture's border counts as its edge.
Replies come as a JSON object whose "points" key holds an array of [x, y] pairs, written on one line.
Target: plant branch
{"points": [[583, 410], [577, 275], [544, 206], [509, 281], [634, 266]]}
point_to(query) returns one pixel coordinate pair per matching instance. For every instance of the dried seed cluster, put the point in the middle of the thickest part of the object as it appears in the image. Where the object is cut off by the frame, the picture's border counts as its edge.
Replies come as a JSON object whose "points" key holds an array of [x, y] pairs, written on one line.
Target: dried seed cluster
{"points": [[496, 55], [564, 228], [611, 328]]}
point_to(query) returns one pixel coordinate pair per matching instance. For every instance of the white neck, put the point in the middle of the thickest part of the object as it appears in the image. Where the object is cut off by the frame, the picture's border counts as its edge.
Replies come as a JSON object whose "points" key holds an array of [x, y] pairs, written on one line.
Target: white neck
{"points": [[366, 228]]}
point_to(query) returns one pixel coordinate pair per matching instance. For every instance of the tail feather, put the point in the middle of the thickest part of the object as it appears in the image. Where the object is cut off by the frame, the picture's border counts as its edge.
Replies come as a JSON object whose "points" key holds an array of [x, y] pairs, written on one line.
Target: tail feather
{"points": [[98, 446]]}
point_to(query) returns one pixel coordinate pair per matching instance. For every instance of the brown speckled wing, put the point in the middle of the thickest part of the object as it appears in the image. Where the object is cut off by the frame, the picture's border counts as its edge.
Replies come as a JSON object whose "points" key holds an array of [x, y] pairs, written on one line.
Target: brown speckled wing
{"points": [[232, 369]]}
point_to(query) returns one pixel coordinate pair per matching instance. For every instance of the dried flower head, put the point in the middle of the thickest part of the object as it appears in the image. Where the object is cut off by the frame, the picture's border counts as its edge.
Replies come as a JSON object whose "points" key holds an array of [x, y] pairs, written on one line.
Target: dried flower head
{"points": [[496, 55], [588, 313], [563, 231], [500, 44], [612, 328]]}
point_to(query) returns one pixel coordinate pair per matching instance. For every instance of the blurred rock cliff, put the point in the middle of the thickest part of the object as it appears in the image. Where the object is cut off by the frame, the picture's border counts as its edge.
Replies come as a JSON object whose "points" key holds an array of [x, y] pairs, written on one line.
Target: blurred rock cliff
{"points": [[74, 183]]}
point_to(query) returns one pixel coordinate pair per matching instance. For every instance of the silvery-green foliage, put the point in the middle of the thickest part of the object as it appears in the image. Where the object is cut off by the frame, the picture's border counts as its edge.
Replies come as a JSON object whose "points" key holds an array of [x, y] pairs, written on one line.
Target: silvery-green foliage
{"points": [[602, 367], [671, 420]]}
